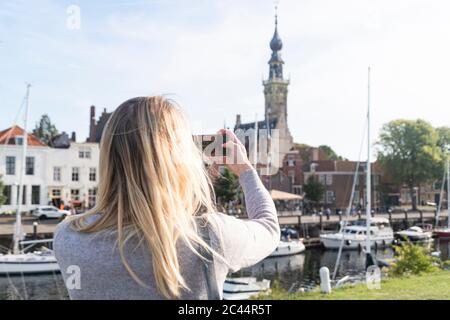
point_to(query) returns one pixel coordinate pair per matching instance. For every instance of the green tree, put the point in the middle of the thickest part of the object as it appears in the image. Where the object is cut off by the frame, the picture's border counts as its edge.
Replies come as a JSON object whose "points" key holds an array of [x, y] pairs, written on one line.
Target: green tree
{"points": [[226, 187], [45, 130], [314, 190], [443, 137], [2, 196], [409, 153], [413, 259], [330, 153]]}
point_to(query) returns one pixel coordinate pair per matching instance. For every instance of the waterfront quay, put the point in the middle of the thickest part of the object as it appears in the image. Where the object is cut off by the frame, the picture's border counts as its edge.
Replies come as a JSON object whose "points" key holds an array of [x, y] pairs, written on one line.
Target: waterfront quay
{"points": [[309, 226]]}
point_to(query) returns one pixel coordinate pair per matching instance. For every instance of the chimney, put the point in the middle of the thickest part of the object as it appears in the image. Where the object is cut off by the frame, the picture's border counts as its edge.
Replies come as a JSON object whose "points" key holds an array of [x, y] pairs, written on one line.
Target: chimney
{"points": [[92, 125], [315, 155], [73, 138], [238, 120]]}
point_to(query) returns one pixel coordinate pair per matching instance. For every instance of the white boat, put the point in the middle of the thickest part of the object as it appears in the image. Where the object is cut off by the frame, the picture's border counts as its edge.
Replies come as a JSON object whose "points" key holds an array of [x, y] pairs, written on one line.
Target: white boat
{"points": [[354, 236], [20, 262], [415, 233], [37, 262], [244, 288], [287, 248]]}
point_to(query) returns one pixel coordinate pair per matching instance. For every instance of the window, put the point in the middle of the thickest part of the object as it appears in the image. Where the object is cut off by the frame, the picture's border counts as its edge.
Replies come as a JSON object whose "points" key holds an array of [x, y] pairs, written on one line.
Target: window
{"points": [[10, 165], [75, 174], [56, 193], [35, 194], [290, 163], [92, 197], [56, 173], [7, 194], [19, 140], [75, 194], [330, 196], [329, 179], [84, 153], [322, 179], [298, 189], [92, 174], [29, 166], [291, 175]]}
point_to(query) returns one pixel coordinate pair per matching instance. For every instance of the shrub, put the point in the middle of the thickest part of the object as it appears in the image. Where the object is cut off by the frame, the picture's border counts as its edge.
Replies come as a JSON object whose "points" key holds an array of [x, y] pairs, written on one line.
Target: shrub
{"points": [[413, 260]]}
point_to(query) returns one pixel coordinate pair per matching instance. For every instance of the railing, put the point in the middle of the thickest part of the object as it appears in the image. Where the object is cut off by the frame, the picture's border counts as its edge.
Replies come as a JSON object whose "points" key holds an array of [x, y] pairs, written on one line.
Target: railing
{"points": [[293, 213]]}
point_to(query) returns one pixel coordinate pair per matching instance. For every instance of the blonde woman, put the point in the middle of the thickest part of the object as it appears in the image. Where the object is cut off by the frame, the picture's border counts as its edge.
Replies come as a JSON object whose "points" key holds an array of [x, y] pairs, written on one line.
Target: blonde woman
{"points": [[154, 227]]}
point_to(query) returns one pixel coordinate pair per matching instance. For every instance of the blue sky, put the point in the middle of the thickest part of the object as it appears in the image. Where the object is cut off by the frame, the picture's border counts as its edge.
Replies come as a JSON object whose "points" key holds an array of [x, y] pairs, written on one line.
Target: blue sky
{"points": [[211, 55]]}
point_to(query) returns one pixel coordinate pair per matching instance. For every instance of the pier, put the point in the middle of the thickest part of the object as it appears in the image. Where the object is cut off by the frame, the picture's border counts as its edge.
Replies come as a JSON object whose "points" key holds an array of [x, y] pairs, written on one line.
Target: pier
{"points": [[309, 226]]}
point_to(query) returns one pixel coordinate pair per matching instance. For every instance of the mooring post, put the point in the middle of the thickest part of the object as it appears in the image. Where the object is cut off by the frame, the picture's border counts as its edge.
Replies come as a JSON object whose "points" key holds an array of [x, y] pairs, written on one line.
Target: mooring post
{"points": [[390, 216], [325, 283], [421, 216], [299, 226], [35, 226], [320, 222], [406, 218]]}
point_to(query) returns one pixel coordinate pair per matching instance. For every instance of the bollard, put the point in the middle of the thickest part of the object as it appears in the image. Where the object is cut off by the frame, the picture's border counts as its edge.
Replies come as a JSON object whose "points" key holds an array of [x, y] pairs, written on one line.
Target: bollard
{"points": [[406, 219], [325, 283], [320, 222], [421, 216], [35, 225]]}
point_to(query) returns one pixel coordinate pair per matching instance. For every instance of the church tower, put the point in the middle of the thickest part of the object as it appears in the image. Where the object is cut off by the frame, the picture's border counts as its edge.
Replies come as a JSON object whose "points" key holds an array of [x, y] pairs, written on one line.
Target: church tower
{"points": [[276, 86], [275, 94]]}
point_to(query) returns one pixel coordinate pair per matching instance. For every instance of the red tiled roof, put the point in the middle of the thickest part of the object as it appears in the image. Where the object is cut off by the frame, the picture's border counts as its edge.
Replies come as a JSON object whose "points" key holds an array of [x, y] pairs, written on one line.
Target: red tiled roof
{"points": [[7, 136]]}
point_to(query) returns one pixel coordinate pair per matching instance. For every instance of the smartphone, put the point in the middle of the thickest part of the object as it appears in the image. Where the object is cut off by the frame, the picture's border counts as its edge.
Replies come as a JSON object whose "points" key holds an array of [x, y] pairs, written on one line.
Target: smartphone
{"points": [[212, 143]]}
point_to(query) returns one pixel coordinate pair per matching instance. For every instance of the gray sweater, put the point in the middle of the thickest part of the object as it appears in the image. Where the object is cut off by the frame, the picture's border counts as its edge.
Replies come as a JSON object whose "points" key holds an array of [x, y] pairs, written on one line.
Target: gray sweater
{"points": [[95, 258]]}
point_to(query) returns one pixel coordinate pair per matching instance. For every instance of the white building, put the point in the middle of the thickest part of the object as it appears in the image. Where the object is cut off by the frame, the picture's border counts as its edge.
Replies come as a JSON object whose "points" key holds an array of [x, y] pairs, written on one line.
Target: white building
{"points": [[58, 176], [72, 175]]}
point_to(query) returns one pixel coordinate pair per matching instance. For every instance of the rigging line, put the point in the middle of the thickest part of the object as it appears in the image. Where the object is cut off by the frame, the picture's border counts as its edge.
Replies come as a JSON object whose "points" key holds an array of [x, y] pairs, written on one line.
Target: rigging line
{"points": [[16, 119], [350, 205]]}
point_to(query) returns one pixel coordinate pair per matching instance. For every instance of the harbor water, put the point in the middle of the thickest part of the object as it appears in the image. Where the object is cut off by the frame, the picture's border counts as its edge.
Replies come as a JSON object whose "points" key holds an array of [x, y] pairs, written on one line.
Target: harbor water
{"points": [[292, 272]]}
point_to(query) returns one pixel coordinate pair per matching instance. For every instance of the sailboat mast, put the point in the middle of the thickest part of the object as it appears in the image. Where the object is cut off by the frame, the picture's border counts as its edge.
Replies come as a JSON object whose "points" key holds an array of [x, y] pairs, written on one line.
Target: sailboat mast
{"points": [[255, 145], [368, 170], [18, 225], [448, 189]]}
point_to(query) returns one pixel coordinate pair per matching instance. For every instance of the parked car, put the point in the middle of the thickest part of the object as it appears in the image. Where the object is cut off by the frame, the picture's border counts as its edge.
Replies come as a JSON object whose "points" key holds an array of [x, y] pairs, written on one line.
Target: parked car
{"points": [[45, 212]]}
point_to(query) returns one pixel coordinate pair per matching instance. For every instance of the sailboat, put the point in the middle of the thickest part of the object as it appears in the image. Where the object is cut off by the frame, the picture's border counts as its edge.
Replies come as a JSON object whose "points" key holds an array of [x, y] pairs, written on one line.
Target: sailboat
{"points": [[444, 232], [365, 233], [18, 262]]}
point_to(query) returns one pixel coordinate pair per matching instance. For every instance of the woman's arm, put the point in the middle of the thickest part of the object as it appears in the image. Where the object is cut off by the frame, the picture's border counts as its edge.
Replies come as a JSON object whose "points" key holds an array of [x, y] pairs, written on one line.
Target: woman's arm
{"points": [[245, 242]]}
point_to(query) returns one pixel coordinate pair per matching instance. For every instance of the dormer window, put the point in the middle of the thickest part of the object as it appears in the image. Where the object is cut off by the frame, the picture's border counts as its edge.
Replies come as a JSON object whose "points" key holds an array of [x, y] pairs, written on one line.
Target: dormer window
{"points": [[18, 140], [84, 153]]}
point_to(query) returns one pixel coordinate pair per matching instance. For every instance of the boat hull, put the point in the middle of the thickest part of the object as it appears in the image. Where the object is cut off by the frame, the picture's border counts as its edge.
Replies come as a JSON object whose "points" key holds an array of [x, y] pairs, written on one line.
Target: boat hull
{"points": [[288, 248], [243, 288], [354, 244], [27, 264], [443, 233], [414, 238]]}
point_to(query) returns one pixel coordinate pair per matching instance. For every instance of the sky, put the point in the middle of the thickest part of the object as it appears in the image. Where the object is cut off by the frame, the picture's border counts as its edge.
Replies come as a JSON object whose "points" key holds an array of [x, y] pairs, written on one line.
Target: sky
{"points": [[211, 56]]}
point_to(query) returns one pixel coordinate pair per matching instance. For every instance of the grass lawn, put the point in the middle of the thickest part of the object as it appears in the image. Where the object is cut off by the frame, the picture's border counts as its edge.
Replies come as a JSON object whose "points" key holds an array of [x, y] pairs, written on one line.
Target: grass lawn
{"points": [[434, 286]]}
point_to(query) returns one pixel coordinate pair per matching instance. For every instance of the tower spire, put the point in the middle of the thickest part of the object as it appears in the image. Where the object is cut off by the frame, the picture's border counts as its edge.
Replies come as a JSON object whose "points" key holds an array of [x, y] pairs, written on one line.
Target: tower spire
{"points": [[275, 62]]}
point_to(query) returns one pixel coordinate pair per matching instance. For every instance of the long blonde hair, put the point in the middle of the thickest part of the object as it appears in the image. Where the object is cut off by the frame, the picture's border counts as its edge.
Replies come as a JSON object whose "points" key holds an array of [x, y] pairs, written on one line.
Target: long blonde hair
{"points": [[152, 183]]}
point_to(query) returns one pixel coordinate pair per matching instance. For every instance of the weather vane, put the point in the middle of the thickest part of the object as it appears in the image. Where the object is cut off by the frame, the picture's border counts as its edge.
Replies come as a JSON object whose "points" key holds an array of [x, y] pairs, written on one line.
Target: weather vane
{"points": [[276, 2]]}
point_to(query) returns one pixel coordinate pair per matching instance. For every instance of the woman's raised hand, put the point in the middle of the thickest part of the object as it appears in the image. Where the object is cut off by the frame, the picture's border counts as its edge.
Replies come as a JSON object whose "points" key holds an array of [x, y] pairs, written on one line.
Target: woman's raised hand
{"points": [[236, 156]]}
